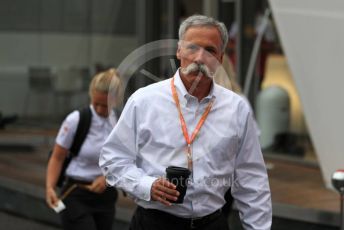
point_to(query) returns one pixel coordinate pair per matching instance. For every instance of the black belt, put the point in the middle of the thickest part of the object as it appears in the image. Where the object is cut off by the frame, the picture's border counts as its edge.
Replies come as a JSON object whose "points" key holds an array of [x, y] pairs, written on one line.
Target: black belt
{"points": [[192, 222], [70, 180]]}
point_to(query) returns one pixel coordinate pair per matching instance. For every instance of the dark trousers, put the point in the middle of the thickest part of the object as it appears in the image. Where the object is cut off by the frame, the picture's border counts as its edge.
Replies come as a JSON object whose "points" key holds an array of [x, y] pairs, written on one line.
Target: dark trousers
{"points": [[89, 211], [228, 206], [151, 219]]}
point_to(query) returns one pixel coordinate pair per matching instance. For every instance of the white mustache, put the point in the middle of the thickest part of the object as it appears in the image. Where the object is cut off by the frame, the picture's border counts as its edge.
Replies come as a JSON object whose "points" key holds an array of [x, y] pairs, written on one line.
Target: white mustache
{"points": [[194, 67]]}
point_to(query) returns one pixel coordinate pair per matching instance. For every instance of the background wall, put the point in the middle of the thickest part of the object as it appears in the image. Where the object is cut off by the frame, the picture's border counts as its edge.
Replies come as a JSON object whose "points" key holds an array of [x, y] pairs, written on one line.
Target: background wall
{"points": [[19, 52], [67, 37]]}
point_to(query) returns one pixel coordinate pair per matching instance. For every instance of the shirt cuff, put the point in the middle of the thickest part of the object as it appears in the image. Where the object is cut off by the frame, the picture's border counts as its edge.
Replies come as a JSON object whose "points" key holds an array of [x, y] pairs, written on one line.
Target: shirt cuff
{"points": [[145, 187]]}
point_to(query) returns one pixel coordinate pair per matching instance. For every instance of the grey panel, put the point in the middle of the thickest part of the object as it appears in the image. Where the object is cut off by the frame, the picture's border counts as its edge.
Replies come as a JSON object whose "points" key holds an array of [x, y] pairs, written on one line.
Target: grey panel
{"points": [[76, 15], [51, 15], [71, 16], [22, 15]]}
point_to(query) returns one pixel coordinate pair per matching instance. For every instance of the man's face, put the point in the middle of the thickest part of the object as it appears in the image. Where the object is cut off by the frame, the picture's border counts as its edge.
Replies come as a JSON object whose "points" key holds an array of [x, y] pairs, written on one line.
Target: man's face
{"points": [[200, 45]]}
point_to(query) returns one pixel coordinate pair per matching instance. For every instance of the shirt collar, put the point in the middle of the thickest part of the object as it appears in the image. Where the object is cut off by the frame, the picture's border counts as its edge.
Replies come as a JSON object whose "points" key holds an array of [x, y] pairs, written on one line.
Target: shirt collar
{"points": [[181, 88]]}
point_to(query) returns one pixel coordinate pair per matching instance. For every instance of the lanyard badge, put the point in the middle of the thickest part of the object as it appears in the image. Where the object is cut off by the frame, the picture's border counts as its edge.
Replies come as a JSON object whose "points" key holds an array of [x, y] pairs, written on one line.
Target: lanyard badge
{"points": [[200, 123]]}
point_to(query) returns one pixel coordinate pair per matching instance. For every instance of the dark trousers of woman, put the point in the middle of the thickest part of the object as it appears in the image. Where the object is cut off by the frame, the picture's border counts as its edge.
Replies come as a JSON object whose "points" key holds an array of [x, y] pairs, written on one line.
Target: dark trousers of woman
{"points": [[151, 219], [86, 210]]}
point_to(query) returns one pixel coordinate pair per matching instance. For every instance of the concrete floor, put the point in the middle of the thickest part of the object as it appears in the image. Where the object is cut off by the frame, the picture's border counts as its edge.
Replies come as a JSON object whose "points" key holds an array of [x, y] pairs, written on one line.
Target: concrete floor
{"points": [[13, 222]]}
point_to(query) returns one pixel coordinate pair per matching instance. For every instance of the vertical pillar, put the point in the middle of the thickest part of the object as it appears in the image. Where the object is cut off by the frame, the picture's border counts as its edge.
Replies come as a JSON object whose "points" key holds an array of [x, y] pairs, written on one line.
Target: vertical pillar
{"points": [[148, 29]]}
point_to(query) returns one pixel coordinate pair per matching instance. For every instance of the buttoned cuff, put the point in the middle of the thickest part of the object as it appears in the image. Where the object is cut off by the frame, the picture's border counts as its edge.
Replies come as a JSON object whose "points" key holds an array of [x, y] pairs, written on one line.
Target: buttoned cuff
{"points": [[145, 187]]}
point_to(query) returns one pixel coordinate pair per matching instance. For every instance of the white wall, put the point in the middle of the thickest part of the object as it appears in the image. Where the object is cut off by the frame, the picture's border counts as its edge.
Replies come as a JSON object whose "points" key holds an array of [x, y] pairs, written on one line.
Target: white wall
{"points": [[312, 35]]}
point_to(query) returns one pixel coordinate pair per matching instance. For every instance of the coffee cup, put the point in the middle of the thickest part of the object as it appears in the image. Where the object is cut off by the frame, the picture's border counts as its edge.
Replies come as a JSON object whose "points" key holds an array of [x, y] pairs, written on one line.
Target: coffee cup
{"points": [[179, 177]]}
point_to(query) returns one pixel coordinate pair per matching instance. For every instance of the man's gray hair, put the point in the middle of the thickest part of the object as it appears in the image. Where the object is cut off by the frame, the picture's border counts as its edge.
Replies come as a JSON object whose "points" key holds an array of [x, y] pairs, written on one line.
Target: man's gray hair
{"points": [[200, 21]]}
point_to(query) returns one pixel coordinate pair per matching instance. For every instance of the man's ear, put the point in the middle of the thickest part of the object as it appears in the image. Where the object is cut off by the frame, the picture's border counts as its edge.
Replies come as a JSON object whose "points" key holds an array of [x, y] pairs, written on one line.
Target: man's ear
{"points": [[178, 53], [221, 58]]}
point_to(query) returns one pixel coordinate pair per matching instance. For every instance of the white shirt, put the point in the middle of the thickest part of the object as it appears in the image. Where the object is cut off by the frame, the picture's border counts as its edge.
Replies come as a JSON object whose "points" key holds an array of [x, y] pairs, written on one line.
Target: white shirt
{"points": [[148, 138], [85, 165]]}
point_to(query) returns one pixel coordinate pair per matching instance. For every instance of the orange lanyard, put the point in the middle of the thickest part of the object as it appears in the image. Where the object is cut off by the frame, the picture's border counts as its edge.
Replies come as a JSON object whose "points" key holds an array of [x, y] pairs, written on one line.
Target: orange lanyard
{"points": [[188, 140]]}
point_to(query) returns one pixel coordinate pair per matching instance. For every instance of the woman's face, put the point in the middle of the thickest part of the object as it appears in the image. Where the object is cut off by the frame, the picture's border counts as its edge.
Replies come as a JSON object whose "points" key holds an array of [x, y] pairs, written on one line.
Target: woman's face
{"points": [[99, 101]]}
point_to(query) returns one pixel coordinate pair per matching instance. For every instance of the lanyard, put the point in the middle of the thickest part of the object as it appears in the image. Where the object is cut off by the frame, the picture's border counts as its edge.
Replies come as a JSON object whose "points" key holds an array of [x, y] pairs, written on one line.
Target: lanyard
{"points": [[189, 140]]}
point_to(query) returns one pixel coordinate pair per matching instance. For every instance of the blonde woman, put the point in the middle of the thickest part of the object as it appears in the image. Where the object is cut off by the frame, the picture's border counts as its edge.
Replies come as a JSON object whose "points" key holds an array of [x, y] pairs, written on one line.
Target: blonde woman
{"points": [[90, 204]]}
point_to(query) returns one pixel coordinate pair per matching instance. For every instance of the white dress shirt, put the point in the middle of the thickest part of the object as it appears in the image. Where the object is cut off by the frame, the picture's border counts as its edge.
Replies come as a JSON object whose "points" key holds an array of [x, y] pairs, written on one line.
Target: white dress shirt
{"points": [[85, 165], [148, 138]]}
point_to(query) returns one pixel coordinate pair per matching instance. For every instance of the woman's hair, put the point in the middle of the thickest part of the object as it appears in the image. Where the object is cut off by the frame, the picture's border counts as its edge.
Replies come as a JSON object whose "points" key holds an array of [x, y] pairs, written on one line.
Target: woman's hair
{"points": [[204, 21], [107, 82]]}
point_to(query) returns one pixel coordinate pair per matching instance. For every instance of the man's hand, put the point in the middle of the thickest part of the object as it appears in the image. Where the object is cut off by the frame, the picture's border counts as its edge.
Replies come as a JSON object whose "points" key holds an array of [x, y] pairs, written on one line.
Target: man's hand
{"points": [[164, 191]]}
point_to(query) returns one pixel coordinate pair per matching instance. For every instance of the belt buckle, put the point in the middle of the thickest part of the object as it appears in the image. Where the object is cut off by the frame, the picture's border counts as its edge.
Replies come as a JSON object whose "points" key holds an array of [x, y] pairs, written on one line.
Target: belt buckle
{"points": [[193, 225]]}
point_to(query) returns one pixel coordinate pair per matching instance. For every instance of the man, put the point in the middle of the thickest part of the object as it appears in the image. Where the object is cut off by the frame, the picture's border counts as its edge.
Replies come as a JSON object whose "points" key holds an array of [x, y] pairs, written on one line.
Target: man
{"points": [[189, 121]]}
